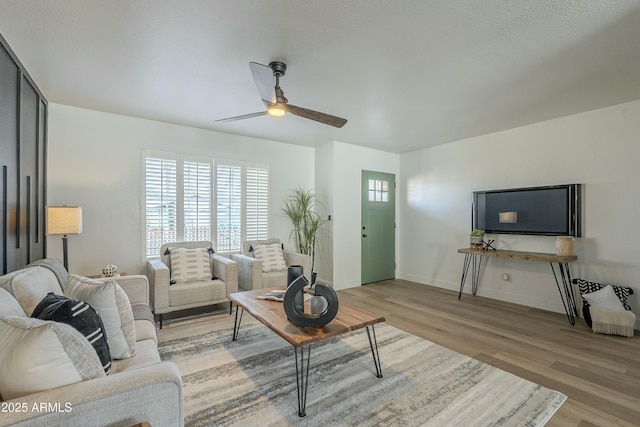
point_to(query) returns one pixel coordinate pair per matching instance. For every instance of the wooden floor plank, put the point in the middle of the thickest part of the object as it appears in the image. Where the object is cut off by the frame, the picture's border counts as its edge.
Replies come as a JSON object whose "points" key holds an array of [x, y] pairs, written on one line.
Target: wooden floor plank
{"points": [[600, 374]]}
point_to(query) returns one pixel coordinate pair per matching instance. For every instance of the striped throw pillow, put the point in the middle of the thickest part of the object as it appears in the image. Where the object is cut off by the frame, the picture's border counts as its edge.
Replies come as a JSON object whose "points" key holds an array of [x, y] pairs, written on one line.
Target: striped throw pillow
{"points": [[190, 265], [272, 257]]}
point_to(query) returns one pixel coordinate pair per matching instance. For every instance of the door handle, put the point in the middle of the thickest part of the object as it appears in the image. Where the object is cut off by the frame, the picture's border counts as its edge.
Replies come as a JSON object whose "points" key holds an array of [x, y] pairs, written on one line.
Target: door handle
{"points": [[364, 235]]}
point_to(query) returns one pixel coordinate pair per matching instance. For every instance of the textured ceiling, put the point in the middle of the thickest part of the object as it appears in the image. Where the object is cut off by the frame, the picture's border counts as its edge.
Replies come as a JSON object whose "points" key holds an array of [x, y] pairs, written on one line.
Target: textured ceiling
{"points": [[407, 74]]}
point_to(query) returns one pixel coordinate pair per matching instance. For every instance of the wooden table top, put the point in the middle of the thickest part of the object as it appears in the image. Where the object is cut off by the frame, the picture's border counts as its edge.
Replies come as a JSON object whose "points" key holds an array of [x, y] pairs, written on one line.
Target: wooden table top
{"points": [[528, 256], [272, 315]]}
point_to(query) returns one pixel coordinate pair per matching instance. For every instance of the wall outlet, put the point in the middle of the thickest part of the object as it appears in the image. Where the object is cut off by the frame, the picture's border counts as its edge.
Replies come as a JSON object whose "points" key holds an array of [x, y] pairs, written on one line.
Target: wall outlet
{"points": [[506, 277]]}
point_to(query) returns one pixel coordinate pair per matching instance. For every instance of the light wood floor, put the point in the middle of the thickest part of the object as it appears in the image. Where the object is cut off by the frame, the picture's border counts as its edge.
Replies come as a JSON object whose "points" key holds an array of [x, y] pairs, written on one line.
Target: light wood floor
{"points": [[600, 374]]}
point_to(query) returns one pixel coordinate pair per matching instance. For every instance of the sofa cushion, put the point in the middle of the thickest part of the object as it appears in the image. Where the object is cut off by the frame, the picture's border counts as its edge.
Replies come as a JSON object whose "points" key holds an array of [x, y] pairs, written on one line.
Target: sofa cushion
{"points": [[146, 354], [8, 305], [28, 286], [112, 304], [82, 317], [190, 265], [272, 257], [38, 355]]}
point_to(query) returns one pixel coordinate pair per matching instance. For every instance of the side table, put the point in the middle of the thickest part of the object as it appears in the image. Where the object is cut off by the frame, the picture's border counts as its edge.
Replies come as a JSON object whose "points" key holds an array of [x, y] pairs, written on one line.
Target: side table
{"points": [[476, 256]]}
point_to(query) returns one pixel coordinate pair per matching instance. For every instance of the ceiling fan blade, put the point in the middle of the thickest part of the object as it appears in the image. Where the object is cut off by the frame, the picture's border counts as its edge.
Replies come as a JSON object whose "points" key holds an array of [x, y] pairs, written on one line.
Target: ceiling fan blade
{"points": [[244, 116], [327, 119], [263, 76]]}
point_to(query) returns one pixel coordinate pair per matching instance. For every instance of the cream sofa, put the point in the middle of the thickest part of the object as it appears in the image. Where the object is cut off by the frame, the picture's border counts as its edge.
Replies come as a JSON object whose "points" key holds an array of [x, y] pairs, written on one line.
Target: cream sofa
{"points": [[139, 388]]}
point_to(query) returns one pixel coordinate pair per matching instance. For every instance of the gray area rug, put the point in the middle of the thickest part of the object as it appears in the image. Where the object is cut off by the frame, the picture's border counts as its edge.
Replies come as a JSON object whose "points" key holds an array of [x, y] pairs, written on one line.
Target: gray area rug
{"points": [[251, 382]]}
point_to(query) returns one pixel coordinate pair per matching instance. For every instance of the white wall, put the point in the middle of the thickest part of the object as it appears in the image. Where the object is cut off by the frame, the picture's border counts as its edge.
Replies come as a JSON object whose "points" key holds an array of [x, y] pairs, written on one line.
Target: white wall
{"points": [[600, 149], [325, 192], [95, 161], [348, 163]]}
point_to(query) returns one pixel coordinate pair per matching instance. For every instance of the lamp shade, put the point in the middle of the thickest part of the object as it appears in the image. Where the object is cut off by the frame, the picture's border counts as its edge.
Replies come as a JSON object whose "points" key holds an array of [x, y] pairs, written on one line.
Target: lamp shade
{"points": [[64, 220]]}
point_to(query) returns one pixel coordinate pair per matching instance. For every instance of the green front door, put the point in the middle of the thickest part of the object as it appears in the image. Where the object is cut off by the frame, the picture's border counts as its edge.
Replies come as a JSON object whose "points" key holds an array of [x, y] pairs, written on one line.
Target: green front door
{"points": [[378, 226]]}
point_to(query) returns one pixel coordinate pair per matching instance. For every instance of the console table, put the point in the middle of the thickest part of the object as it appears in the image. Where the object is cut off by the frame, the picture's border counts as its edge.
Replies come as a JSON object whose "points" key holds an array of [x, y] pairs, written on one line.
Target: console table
{"points": [[474, 258]]}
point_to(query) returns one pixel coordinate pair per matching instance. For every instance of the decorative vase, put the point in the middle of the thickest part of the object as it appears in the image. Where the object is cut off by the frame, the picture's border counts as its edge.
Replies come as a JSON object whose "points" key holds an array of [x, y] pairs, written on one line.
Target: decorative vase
{"points": [[293, 272], [564, 245], [299, 317]]}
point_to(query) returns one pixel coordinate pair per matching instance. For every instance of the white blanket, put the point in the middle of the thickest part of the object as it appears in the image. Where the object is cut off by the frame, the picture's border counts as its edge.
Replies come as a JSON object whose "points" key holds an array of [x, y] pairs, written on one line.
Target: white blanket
{"points": [[612, 322]]}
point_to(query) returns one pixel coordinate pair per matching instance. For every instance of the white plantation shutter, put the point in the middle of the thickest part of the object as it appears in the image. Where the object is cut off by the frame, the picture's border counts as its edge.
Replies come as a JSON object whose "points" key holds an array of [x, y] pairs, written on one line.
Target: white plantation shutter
{"points": [[180, 194], [256, 202], [160, 203], [197, 196], [228, 207]]}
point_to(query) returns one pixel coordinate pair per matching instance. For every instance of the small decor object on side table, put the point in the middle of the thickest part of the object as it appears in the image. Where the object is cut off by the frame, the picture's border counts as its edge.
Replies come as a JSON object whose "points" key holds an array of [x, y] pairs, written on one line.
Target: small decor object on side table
{"points": [[109, 271], [475, 239], [564, 245]]}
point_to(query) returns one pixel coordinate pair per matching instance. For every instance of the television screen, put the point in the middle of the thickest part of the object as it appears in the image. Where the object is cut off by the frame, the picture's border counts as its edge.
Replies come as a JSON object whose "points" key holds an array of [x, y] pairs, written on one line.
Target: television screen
{"points": [[552, 210]]}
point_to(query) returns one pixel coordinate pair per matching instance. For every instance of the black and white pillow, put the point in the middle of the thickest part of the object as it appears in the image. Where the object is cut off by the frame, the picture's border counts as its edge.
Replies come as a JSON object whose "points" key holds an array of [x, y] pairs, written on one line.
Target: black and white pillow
{"points": [[82, 317], [622, 292], [272, 257], [190, 265]]}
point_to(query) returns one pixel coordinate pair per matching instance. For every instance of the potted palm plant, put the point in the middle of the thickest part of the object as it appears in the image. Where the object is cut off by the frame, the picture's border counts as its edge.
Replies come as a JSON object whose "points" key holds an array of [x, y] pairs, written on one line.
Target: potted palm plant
{"points": [[300, 207]]}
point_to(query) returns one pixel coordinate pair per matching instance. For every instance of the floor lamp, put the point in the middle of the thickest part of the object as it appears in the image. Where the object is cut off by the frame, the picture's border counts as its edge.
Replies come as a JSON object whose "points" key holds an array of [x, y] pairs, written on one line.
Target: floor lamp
{"points": [[64, 220]]}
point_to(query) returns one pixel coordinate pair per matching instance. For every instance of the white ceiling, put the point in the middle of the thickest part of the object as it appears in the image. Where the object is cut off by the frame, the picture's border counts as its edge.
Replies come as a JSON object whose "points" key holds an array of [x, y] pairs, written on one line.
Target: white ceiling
{"points": [[406, 74]]}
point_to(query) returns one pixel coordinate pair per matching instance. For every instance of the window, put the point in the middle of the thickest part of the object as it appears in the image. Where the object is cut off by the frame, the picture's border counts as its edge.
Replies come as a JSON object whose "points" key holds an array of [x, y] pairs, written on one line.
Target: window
{"points": [[185, 196], [229, 207], [197, 198], [378, 190], [160, 203], [257, 202]]}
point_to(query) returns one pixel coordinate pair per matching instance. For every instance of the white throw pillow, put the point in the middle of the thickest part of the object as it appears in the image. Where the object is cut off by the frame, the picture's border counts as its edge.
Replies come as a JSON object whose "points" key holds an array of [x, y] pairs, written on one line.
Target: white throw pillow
{"points": [[112, 304], [272, 257], [9, 305], [190, 265], [604, 298], [38, 355]]}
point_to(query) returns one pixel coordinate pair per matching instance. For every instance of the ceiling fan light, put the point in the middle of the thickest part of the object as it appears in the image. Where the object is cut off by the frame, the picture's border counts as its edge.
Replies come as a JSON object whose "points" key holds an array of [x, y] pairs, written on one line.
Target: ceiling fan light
{"points": [[277, 110]]}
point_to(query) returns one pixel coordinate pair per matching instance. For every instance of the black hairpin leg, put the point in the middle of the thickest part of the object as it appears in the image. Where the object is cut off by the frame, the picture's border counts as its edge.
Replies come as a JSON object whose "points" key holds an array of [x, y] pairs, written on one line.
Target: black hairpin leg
{"points": [[475, 261], [465, 270], [236, 325], [374, 351], [302, 379], [566, 291], [230, 307]]}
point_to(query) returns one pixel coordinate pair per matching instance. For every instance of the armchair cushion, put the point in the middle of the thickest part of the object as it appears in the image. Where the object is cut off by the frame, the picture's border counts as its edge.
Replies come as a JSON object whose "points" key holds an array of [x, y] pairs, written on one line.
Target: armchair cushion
{"points": [[114, 308], [39, 355], [272, 257], [190, 265]]}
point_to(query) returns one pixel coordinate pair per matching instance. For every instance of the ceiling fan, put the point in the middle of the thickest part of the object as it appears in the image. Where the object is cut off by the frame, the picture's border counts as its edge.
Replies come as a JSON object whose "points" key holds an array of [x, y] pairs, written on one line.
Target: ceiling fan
{"points": [[273, 97]]}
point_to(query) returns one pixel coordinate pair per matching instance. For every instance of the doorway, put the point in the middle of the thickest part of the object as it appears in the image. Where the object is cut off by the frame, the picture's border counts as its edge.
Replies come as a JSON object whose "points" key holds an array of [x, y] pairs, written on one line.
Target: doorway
{"points": [[378, 226]]}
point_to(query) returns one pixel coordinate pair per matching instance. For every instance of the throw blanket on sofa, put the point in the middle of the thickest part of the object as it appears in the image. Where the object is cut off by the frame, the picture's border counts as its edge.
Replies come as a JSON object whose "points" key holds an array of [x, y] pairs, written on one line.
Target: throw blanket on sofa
{"points": [[54, 266]]}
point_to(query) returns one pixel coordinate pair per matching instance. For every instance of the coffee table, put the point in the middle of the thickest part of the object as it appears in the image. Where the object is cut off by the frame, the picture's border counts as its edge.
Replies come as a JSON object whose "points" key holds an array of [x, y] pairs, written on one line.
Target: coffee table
{"points": [[272, 315]]}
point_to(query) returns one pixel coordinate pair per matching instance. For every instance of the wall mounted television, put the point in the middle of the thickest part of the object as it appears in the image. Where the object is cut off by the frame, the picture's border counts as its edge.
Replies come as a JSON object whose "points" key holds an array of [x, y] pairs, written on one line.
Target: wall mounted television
{"points": [[554, 210]]}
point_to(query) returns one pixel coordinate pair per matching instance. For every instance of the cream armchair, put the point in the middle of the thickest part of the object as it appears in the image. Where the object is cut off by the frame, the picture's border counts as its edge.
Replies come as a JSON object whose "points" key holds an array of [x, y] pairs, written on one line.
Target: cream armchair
{"points": [[172, 292], [251, 274]]}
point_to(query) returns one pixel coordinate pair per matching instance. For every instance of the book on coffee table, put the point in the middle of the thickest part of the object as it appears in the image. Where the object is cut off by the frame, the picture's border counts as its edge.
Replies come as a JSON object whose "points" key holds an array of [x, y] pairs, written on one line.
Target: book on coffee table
{"points": [[273, 296]]}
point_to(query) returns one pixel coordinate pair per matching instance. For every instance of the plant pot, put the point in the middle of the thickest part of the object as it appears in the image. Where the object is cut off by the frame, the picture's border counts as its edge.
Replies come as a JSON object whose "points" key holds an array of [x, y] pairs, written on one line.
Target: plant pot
{"points": [[475, 242]]}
